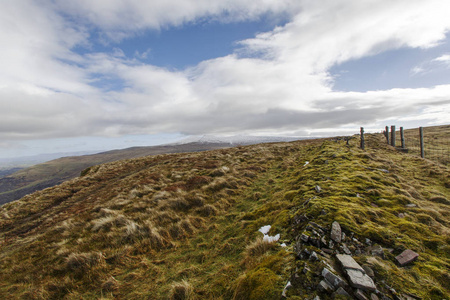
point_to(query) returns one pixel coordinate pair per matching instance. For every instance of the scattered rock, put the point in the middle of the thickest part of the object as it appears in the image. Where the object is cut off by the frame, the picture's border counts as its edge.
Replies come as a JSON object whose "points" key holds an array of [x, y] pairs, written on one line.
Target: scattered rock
{"points": [[368, 242], [360, 280], [360, 295], [345, 249], [333, 279], [286, 288], [316, 298], [318, 189], [406, 257], [342, 292], [401, 215], [347, 262], [324, 286], [356, 274], [304, 238], [410, 205], [314, 256], [336, 232], [327, 251]]}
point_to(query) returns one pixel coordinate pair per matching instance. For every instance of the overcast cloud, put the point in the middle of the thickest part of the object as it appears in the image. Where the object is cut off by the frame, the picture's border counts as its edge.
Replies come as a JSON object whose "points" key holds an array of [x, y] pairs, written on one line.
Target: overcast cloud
{"points": [[277, 82]]}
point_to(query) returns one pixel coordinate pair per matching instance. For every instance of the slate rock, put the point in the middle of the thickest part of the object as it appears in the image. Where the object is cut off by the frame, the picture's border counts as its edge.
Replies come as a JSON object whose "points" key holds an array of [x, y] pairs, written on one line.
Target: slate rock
{"points": [[360, 295], [342, 292], [314, 256], [333, 279], [347, 262], [336, 232], [304, 238], [324, 286], [360, 280], [286, 288], [345, 249], [406, 257]]}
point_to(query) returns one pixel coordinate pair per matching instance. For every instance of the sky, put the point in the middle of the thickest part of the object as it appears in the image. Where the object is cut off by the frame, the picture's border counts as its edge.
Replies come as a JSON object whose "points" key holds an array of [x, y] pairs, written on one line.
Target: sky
{"points": [[81, 75]]}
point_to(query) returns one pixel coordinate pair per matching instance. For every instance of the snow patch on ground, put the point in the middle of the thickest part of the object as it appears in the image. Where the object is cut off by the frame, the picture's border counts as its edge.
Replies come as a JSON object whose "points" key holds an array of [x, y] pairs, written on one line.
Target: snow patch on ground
{"points": [[267, 238]]}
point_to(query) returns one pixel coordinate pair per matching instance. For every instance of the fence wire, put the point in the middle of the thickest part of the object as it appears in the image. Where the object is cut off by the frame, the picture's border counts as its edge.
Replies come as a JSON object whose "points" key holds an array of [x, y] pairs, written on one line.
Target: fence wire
{"points": [[436, 142]]}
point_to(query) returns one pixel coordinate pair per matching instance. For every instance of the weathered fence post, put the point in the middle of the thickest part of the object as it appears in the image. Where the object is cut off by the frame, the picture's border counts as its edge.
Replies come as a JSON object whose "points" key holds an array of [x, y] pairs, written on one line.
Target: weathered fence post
{"points": [[362, 139], [422, 150], [402, 137], [393, 135], [386, 132]]}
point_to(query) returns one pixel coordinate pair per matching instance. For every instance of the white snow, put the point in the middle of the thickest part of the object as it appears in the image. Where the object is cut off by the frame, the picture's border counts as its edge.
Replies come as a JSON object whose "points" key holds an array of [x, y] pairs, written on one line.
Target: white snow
{"points": [[270, 239], [265, 229]]}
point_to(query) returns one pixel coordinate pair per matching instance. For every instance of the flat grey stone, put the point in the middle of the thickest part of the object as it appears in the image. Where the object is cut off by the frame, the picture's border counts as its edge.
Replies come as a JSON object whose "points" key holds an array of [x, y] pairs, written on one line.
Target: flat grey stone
{"points": [[406, 257], [336, 232], [360, 280], [347, 262], [318, 189], [333, 279]]}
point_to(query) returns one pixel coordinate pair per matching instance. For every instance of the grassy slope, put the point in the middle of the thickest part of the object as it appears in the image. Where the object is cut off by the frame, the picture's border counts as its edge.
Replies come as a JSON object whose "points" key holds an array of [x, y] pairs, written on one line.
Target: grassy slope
{"points": [[187, 224], [40, 176]]}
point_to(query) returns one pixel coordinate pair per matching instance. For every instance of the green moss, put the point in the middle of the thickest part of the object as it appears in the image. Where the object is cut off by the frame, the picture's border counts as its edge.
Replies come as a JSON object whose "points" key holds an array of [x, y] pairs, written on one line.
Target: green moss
{"points": [[262, 283]]}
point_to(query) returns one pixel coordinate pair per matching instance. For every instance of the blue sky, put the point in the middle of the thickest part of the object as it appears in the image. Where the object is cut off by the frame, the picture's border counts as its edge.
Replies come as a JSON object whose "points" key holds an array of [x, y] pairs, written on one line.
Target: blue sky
{"points": [[98, 75]]}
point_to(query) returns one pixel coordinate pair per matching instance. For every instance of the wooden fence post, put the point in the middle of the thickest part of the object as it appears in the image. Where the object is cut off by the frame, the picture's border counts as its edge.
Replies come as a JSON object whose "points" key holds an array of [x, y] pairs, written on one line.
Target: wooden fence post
{"points": [[362, 138], [422, 150], [402, 137], [386, 132], [393, 135]]}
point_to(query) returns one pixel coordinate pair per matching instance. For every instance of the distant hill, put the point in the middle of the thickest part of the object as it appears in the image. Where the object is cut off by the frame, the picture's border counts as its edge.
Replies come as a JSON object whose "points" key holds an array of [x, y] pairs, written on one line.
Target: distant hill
{"points": [[14, 185], [18, 184], [268, 221]]}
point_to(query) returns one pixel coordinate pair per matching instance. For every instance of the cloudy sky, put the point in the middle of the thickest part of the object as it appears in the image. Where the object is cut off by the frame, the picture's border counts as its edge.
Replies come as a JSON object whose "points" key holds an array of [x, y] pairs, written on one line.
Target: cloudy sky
{"points": [[85, 75]]}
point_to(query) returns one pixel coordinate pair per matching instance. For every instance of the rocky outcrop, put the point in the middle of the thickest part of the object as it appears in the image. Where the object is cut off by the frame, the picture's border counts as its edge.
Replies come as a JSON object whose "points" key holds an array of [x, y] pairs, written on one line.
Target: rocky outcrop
{"points": [[329, 268]]}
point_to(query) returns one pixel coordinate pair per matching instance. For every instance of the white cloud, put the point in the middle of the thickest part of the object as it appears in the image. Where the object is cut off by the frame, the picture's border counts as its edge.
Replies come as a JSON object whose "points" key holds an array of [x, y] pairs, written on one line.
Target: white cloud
{"points": [[443, 59], [277, 82]]}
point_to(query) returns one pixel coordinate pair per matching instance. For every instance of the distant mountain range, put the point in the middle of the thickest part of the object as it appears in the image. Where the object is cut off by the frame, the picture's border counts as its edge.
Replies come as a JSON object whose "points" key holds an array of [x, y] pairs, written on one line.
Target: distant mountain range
{"points": [[18, 182]]}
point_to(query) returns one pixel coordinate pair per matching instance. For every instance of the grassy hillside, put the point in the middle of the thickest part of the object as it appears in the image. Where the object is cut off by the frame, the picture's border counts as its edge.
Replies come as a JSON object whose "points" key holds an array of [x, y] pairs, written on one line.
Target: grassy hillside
{"points": [[15, 186], [185, 226]]}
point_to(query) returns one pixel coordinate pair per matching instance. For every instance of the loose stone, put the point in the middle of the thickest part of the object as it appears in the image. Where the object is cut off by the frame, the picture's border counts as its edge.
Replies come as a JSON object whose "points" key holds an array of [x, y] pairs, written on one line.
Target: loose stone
{"points": [[360, 295], [333, 279], [360, 280], [347, 262], [336, 232], [406, 257], [341, 291]]}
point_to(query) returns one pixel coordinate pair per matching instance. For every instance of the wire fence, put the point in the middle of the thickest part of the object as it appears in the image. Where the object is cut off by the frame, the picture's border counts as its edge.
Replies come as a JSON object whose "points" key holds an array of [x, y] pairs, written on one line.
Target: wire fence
{"points": [[436, 145], [428, 142]]}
